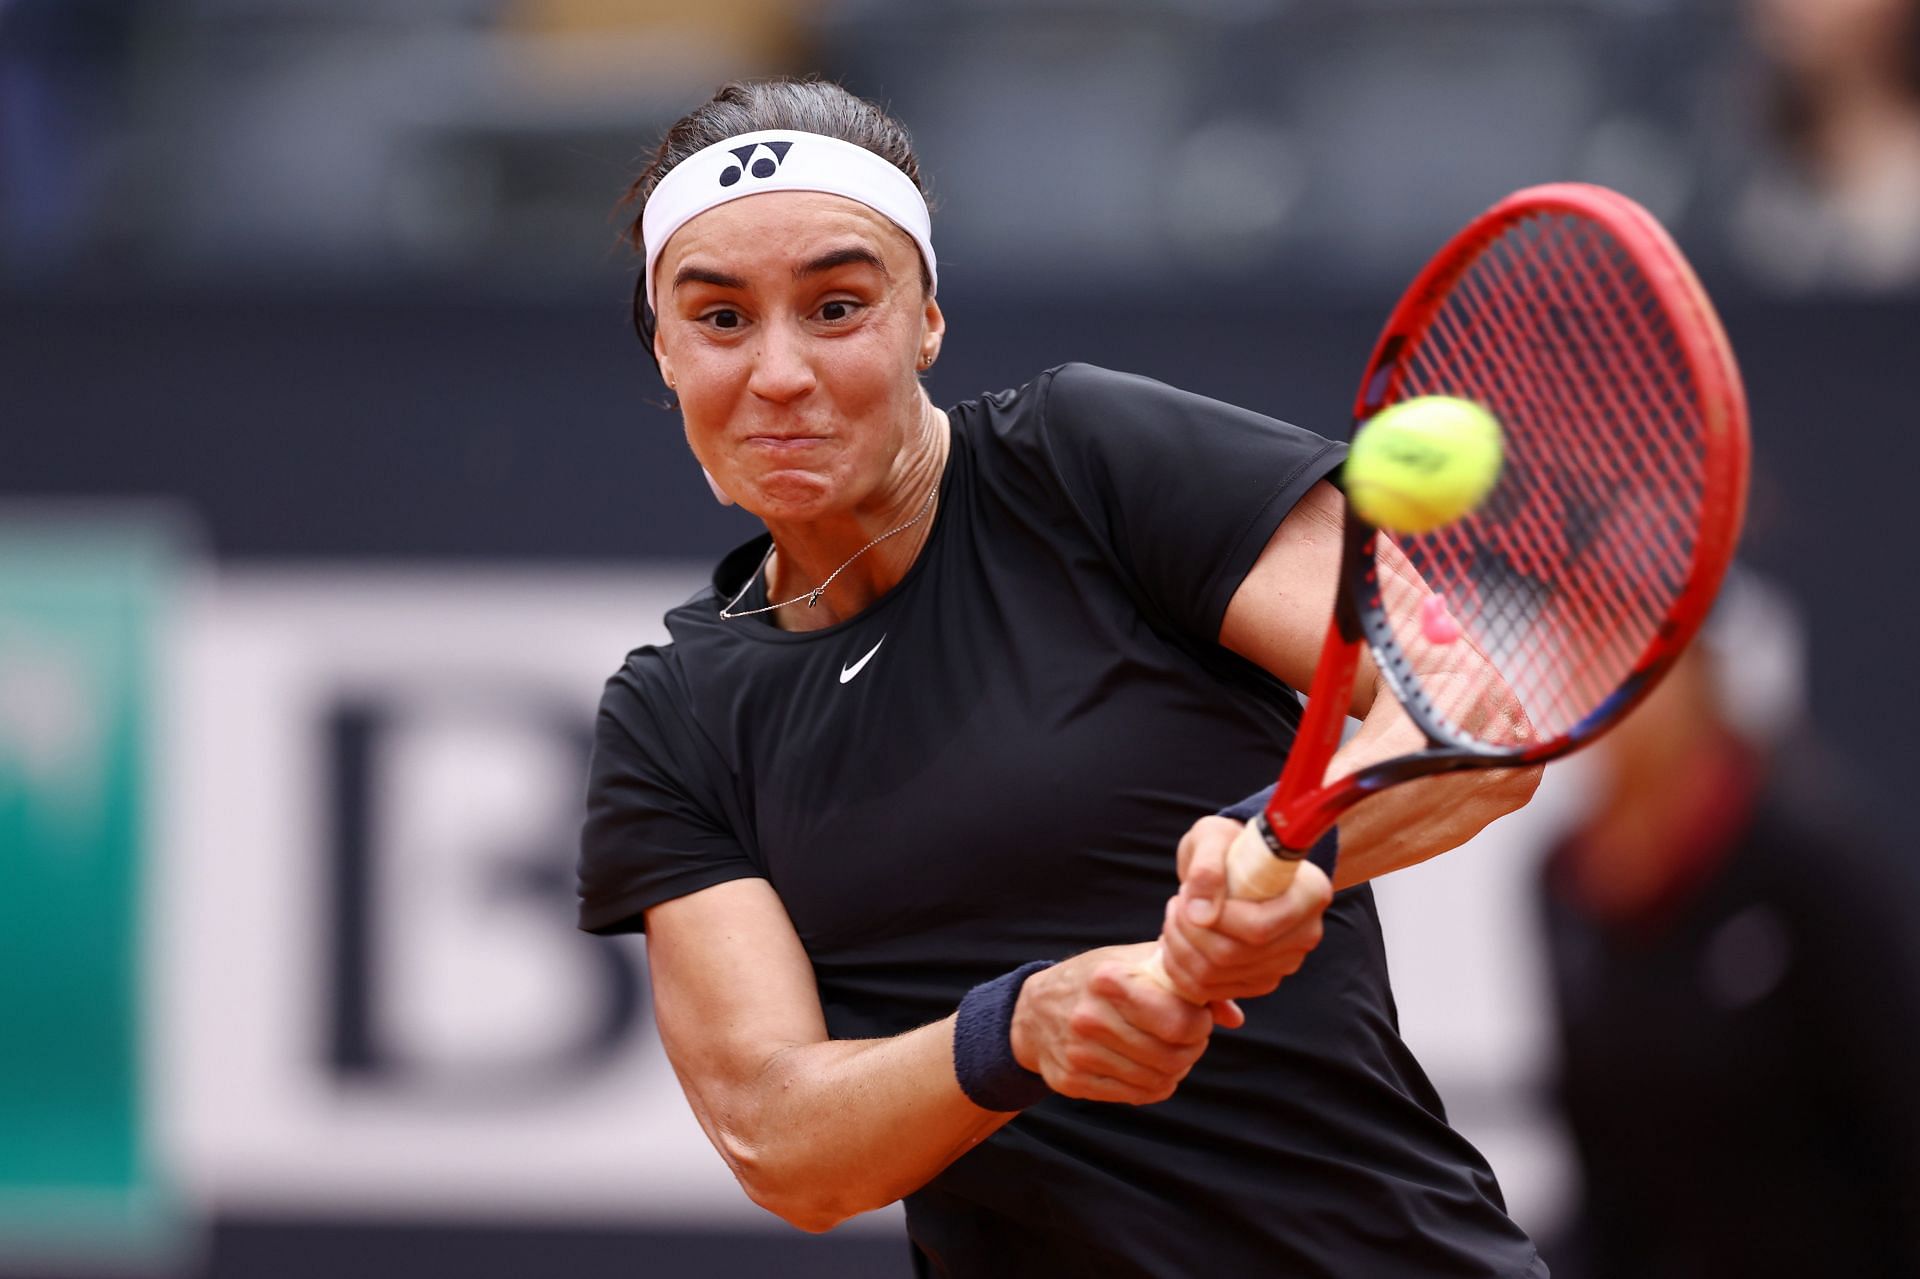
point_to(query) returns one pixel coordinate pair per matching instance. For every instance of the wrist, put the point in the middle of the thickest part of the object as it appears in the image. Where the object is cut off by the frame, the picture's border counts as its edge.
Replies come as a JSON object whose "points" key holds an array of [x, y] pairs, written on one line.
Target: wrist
{"points": [[1020, 1029], [1246, 809], [992, 1071]]}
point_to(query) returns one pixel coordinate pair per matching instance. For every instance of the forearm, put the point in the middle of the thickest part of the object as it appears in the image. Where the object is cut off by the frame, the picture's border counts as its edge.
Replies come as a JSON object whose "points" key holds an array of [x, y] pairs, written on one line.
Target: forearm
{"points": [[816, 1129], [828, 1130]]}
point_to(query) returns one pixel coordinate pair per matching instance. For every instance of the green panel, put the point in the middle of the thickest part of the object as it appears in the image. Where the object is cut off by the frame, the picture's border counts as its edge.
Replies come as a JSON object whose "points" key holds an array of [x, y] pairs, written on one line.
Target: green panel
{"points": [[79, 606]]}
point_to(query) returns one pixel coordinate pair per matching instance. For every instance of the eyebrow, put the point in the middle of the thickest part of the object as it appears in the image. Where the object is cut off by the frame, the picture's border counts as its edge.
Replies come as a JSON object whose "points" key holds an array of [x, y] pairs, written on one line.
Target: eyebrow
{"points": [[702, 275], [852, 255], [833, 259]]}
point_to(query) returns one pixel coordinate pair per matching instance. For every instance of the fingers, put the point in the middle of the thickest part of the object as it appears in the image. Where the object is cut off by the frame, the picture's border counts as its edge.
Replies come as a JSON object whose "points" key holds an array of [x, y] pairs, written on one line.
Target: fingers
{"points": [[1095, 1029], [1149, 1014], [1227, 1014], [1097, 1072], [1205, 967], [1262, 923], [1251, 946]]}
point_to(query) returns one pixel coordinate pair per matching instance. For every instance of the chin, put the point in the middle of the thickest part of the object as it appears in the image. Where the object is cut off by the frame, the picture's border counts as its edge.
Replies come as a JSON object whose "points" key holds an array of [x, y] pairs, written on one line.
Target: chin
{"points": [[787, 495]]}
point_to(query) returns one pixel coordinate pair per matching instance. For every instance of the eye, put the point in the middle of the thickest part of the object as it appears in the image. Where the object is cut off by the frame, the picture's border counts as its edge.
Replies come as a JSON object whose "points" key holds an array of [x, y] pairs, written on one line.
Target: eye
{"points": [[838, 310], [723, 318]]}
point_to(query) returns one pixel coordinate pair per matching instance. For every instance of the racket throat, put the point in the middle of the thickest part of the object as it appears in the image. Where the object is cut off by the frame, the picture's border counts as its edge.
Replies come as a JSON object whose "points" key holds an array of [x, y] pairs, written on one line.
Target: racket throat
{"points": [[1261, 827], [1285, 827]]}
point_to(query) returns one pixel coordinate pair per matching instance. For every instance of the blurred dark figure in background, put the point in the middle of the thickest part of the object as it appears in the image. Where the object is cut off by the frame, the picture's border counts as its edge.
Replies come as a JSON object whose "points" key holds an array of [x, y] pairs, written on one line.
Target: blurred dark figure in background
{"points": [[62, 99], [1837, 203], [1738, 987]]}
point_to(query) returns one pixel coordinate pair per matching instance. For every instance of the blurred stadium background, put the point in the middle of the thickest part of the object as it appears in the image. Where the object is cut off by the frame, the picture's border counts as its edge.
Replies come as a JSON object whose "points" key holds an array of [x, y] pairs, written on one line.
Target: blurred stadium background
{"points": [[332, 484]]}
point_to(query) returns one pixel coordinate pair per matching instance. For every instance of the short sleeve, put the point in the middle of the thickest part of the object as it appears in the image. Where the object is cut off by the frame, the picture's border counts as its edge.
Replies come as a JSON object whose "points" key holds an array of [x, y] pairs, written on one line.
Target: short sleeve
{"points": [[657, 826], [1183, 491]]}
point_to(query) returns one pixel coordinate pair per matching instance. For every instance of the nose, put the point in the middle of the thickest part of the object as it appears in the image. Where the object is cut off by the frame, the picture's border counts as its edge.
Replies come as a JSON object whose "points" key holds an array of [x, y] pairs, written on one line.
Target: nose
{"points": [[782, 371]]}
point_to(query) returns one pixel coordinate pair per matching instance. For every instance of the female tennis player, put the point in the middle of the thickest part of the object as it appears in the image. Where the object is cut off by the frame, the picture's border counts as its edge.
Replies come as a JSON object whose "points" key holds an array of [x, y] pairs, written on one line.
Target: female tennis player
{"points": [[898, 805]]}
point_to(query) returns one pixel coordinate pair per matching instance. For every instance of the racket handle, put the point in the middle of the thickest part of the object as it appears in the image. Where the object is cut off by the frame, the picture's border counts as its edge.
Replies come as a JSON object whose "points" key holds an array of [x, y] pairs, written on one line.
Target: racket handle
{"points": [[1253, 874], [1254, 871]]}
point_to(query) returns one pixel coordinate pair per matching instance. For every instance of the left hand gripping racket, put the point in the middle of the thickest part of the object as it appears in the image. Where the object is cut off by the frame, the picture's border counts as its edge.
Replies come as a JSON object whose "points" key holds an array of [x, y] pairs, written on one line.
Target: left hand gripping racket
{"points": [[1569, 313]]}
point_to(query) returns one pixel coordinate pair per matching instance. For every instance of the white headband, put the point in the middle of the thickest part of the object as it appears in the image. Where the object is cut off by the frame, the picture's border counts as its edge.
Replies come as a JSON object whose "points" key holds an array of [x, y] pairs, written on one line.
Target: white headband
{"points": [[782, 160]]}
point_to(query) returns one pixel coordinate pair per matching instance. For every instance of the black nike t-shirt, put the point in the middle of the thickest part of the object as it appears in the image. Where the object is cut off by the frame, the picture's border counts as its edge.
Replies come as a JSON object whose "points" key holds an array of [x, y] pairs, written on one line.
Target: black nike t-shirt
{"points": [[993, 764]]}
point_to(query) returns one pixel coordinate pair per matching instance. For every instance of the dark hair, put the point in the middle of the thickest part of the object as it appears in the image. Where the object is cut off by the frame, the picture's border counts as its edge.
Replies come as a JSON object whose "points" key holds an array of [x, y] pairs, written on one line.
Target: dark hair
{"points": [[808, 105]]}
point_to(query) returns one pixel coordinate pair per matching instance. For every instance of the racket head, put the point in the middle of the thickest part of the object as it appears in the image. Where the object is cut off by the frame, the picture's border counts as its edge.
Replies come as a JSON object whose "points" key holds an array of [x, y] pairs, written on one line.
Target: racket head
{"points": [[1568, 312]]}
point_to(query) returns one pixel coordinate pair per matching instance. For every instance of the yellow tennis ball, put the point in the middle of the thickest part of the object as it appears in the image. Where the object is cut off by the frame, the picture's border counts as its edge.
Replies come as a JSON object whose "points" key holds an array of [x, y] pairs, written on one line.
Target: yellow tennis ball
{"points": [[1422, 463]]}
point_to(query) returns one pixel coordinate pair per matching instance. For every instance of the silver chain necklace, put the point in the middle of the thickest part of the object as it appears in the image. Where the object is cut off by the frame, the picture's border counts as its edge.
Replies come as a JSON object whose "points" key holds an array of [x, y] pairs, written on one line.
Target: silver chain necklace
{"points": [[812, 597]]}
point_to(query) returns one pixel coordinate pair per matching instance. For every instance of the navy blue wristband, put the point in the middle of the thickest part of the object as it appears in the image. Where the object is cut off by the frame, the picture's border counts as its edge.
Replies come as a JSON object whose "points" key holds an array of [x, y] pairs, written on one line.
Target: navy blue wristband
{"points": [[1325, 852], [983, 1058]]}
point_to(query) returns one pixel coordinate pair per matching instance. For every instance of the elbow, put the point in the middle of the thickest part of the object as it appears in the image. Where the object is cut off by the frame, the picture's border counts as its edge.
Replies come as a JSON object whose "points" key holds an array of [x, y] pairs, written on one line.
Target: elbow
{"points": [[813, 1222], [795, 1190], [799, 1207]]}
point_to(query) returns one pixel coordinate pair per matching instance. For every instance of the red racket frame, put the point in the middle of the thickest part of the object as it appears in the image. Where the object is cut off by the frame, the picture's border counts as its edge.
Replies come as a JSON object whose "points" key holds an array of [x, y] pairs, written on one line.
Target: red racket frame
{"points": [[1302, 807]]}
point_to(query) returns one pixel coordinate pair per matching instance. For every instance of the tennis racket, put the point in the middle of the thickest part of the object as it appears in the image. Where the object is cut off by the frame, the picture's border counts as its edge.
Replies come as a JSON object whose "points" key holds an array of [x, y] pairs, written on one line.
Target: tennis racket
{"points": [[1569, 313]]}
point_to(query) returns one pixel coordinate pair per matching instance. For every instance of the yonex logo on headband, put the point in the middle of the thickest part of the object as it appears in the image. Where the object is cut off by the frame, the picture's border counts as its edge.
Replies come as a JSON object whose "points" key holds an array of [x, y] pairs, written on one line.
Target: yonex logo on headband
{"points": [[761, 168], [782, 160]]}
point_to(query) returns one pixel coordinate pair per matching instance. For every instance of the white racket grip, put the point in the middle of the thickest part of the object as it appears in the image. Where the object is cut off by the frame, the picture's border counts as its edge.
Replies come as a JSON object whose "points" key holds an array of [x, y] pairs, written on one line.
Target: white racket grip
{"points": [[1253, 874]]}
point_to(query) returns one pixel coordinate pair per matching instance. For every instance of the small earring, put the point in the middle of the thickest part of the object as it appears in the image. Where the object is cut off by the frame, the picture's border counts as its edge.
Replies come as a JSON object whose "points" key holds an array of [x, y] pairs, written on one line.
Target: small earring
{"points": [[926, 361]]}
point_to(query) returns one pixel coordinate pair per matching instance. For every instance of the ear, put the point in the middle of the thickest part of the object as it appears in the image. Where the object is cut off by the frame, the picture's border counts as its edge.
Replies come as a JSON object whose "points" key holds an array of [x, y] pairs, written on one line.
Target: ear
{"points": [[661, 358], [932, 333]]}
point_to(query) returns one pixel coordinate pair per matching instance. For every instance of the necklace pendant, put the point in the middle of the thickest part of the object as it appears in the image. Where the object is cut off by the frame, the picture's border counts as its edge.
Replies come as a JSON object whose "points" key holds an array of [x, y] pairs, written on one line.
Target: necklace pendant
{"points": [[813, 596]]}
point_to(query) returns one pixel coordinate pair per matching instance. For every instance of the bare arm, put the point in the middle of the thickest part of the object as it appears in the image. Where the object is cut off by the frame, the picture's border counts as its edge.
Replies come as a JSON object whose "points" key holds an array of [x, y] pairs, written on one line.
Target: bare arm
{"points": [[816, 1129], [1278, 618]]}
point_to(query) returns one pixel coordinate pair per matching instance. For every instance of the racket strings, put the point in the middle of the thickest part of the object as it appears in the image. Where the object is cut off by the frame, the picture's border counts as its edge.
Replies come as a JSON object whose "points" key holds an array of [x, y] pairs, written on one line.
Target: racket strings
{"points": [[1564, 577], [1613, 413], [1542, 530], [1521, 378]]}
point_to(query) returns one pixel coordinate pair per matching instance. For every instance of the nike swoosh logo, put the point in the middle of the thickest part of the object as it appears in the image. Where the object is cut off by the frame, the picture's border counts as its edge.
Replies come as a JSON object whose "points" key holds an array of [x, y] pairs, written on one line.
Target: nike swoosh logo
{"points": [[848, 672]]}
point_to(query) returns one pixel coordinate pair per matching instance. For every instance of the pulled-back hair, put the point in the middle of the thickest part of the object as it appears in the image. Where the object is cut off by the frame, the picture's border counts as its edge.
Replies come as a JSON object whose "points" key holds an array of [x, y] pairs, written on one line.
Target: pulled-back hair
{"points": [[808, 105]]}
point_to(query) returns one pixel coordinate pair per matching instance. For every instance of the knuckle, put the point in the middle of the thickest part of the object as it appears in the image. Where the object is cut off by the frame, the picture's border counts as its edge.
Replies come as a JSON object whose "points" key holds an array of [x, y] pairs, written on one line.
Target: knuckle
{"points": [[1167, 1030], [1271, 929], [1177, 1032], [1211, 948]]}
